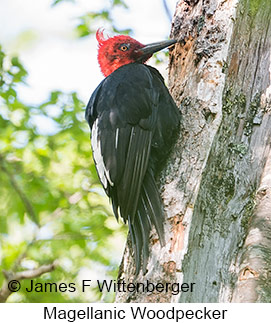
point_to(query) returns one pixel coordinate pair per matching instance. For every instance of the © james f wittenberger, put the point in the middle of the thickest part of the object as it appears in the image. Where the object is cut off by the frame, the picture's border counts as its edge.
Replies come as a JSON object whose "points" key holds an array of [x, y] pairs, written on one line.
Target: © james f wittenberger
{"points": [[105, 286]]}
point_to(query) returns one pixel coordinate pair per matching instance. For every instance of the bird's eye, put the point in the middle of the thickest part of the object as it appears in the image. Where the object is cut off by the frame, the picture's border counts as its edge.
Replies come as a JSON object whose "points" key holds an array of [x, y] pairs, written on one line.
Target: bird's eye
{"points": [[124, 47]]}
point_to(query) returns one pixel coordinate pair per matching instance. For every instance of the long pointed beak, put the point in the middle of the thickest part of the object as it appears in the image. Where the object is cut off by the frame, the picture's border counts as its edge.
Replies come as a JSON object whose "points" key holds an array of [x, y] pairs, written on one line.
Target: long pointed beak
{"points": [[149, 49]]}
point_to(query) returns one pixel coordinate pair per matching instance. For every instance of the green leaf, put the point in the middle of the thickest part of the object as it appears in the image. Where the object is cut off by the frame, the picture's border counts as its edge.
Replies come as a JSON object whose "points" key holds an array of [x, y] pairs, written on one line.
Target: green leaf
{"points": [[119, 3], [55, 2]]}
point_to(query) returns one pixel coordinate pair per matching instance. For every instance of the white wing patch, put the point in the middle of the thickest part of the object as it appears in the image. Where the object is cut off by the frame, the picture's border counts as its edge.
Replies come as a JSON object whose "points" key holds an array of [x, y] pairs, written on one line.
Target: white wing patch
{"points": [[117, 138], [98, 158]]}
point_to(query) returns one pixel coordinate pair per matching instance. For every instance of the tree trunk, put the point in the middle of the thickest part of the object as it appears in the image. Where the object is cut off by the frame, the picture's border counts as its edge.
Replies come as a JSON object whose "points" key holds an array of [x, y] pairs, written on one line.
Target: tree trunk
{"points": [[216, 187]]}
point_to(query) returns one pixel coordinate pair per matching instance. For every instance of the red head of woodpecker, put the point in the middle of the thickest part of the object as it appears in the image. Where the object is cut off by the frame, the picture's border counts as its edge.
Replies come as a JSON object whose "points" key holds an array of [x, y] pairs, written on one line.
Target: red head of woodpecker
{"points": [[120, 50], [133, 121]]}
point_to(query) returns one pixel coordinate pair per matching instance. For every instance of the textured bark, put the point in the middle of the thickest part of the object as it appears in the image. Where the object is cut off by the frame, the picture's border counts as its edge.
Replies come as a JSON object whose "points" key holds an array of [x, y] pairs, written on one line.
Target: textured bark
{"points": [[220, 168], [254, 277]]}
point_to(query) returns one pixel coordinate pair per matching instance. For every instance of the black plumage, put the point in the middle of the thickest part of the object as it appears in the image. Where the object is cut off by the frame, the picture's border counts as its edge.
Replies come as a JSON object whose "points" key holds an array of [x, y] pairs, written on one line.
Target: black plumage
{"points": [[133, 121]]}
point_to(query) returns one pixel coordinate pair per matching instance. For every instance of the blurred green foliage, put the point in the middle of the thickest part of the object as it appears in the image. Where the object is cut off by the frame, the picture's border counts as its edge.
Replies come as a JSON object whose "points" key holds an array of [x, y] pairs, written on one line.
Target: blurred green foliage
{"points": [[89, 22], [52, 206]]}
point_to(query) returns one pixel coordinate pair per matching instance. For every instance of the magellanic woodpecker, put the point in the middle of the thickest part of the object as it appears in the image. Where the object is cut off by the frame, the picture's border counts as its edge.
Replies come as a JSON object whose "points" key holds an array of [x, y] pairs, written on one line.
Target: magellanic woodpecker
{"points": [[133, 121]]}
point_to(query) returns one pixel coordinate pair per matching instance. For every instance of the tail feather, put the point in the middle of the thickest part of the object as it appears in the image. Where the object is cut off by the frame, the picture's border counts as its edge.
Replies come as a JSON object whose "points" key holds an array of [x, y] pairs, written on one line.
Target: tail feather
{"points": [[145, 229], [137, 241], [149, 212], [152, 203]]}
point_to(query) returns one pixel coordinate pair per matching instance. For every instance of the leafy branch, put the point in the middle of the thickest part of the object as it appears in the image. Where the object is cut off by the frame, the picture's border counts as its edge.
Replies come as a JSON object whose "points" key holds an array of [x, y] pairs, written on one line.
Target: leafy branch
{"points": [[28, 206], [10, 276]]}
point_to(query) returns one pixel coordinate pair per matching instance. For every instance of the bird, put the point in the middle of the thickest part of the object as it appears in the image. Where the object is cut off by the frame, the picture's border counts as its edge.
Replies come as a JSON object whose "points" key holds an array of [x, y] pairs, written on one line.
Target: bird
{"points": [[134, 122]]}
